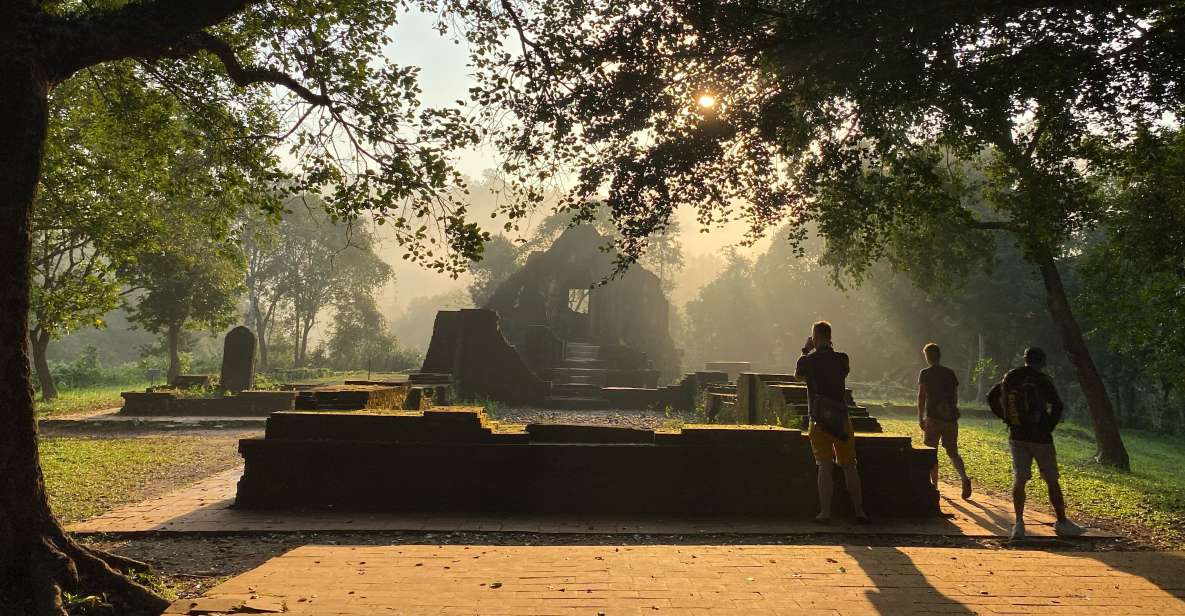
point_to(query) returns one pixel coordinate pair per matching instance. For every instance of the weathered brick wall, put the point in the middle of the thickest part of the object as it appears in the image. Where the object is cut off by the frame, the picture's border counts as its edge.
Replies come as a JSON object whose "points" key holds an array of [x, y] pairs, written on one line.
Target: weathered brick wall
{"points": [[448, 460]]}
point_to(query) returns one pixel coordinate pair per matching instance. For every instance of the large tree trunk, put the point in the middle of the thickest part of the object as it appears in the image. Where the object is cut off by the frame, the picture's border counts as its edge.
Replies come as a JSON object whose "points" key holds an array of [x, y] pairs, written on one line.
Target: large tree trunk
{"points": [[40, 340], [304, 342], [37, 559], [1108, 442], [979, 381], [173, 343], [296, 341], [260, 332]]}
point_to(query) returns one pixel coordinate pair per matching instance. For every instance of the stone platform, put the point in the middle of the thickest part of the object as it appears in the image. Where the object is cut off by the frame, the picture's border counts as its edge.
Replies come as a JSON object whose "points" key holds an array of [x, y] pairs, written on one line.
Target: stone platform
{"points": [[451, 459], [163, 403], [704, 580], [208, 507]]}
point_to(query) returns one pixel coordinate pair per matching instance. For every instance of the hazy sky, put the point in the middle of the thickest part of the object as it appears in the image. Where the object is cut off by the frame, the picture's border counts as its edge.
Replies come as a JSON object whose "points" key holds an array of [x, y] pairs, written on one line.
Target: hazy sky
{"points": [[445, 78]]}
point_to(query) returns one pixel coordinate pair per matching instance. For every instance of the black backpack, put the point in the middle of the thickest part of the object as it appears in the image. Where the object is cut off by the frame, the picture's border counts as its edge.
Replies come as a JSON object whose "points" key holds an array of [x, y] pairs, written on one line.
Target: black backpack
{"points": [[1020, 398]]}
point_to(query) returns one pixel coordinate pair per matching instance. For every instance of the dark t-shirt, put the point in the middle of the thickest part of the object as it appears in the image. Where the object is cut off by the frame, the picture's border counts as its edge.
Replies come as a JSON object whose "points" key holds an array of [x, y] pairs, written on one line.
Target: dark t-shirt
{"points": [[942, 392], [1043, 431], [824, 371]]}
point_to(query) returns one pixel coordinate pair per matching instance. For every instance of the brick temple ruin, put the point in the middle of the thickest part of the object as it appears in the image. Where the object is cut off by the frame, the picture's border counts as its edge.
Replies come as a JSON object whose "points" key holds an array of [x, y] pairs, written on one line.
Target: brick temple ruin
{"points": [[454, 459], [556, 334]]}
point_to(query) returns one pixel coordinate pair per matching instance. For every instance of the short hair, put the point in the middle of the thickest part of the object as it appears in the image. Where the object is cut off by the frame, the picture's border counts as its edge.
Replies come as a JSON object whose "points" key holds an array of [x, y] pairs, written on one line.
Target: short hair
{"points": [[1034, 356], [932, 352], [821, 328]]}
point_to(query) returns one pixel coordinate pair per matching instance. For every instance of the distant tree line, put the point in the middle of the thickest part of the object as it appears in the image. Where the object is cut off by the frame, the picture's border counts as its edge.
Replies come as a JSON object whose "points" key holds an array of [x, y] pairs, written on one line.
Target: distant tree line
{"points": [[147, 208], [1125, 278], [308, 266]]}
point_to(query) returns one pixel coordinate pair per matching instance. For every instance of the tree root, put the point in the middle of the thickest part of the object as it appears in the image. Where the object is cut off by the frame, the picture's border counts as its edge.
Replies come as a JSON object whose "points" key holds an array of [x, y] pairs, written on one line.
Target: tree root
{"points": [[56, 564], [122, 564]]}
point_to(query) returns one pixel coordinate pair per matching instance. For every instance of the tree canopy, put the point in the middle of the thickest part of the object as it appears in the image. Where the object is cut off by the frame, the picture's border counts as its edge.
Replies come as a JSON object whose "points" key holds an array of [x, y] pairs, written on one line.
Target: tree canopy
{"points": [[109, 182], [859, 119]]}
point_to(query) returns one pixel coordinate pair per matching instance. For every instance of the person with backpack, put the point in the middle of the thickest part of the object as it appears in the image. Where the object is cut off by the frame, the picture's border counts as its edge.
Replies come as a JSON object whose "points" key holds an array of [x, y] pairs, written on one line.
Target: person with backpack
{"points": [[1028, 402], [833, 440], [938, 412]]}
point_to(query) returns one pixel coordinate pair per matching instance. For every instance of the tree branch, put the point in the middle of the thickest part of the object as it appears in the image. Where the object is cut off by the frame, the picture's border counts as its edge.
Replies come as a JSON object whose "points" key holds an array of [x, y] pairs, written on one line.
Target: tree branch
{"points": [[994, 225], [149, 29], [244, 76]]}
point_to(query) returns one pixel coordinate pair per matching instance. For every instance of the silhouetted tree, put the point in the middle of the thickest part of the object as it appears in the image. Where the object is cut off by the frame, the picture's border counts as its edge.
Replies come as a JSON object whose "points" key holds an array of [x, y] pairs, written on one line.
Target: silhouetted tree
{"points": [[356, 127], [498, 261]]}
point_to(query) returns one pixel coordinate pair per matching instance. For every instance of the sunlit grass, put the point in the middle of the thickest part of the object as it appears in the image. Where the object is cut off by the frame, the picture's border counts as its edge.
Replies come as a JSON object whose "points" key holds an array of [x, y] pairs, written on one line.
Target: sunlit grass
{"points": [[103, 397], [88, 476], [1151, 496], [84, 400]]}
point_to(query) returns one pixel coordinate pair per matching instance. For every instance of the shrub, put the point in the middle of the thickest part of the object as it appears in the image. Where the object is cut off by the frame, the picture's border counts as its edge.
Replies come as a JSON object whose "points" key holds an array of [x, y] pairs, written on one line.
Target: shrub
{"points": [[88, 371]]}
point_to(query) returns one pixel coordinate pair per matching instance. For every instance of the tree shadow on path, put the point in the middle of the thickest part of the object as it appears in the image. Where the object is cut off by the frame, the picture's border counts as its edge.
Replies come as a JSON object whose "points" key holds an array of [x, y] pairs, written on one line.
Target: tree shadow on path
{"points": [[901, 587]]}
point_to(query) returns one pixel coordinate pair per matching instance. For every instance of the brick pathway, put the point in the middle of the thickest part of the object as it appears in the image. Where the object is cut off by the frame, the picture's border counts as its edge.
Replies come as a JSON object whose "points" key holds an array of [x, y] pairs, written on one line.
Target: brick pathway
{"points": [[110, 419], [206, 507], [700, 580]]}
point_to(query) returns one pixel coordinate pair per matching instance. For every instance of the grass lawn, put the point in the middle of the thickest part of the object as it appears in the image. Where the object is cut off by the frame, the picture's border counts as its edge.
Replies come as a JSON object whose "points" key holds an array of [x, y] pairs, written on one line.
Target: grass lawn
{"points": [[90, 399], [1148, 502], [89, 476], [94, 399]]}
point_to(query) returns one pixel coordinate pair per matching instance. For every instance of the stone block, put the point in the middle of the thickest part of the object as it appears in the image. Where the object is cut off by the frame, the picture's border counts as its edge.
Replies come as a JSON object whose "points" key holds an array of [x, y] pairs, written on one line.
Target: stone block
{"points": [[378, 427], [238, 360], [243, 404], [541, 349], [732, 368], [451, 461], [708, 378], [469, 346], [633, 398], [193, 381], [750, 395], [721, 407], [631, 378], [598, 435], [740, 436], [146, 403]]}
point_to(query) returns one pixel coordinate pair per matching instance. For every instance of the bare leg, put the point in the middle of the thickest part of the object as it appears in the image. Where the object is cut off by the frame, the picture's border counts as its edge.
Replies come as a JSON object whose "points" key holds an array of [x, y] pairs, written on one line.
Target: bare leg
{"points": [[855, 493], [1018, 498], [1057, 499], [956, 461], [825, 487]]}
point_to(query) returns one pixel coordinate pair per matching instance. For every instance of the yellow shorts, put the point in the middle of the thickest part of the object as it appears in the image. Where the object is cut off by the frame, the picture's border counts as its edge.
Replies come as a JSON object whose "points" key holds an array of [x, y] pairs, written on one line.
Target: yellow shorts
{"points": [[828, 448]]}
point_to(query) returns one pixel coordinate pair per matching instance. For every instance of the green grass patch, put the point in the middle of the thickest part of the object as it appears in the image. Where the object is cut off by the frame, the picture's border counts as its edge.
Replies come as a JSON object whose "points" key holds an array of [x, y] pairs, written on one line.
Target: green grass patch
{"points": [[89, 476], [1150, 499], [103, 397], [85, 400]]}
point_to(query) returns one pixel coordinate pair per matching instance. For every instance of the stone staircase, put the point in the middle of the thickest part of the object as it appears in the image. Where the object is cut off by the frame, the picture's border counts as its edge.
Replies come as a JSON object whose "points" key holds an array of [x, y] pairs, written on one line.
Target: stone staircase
{"points": [[577, 382]]}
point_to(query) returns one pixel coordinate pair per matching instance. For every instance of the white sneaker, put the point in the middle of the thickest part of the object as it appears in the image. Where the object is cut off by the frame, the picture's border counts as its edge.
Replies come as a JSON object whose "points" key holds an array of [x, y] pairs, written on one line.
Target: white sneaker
{"points": [[1018, 531], [1066, 528]]}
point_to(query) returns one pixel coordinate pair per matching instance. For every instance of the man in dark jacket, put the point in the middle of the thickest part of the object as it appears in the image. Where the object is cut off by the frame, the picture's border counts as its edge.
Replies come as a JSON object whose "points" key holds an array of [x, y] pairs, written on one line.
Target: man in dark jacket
{"points": [[825, 372], [1030, 439]]}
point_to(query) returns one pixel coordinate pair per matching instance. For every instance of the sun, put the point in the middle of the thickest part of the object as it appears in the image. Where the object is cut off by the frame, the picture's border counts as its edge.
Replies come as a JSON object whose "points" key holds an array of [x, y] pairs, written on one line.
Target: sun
{"points": [[707, 101]]}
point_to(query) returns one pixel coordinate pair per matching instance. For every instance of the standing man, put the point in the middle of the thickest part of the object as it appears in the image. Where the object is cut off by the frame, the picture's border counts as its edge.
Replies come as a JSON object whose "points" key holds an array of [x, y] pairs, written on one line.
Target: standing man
{"points": [[1032, 408], [938, 412], [833, 440]]}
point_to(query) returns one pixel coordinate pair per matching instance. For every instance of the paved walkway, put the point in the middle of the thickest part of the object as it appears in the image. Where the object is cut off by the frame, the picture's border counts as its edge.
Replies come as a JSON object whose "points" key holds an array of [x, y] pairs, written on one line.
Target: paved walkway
{"points": [[110, 419], [700, 580], [206, 507]]}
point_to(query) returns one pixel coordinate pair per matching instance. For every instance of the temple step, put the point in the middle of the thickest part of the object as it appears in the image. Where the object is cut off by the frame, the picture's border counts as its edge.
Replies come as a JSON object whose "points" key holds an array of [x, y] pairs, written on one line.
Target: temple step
{"points": [[566, 403], [575, 390], [580, 351], [584, 364]]}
